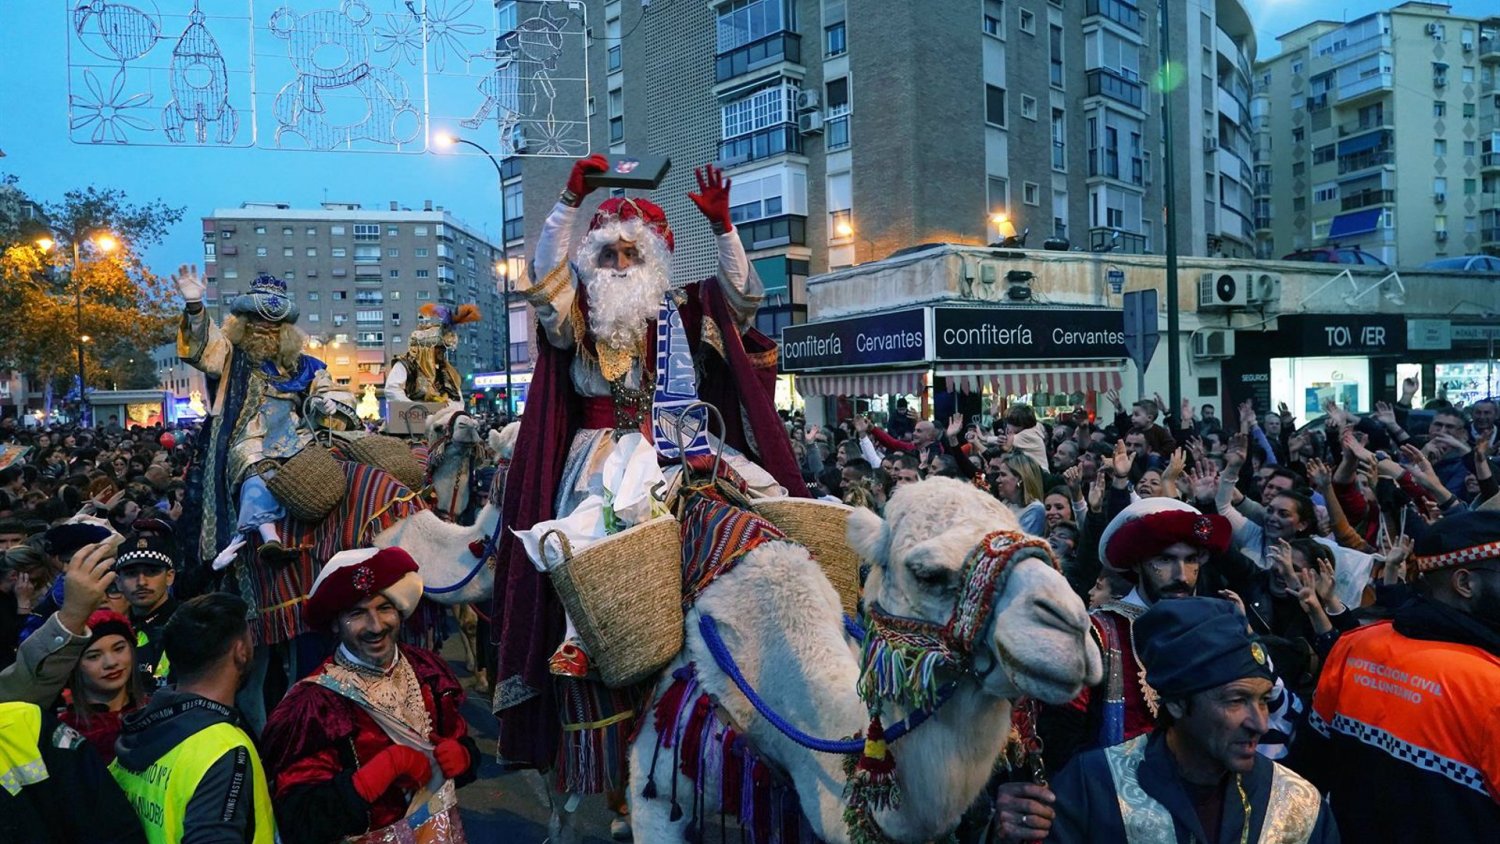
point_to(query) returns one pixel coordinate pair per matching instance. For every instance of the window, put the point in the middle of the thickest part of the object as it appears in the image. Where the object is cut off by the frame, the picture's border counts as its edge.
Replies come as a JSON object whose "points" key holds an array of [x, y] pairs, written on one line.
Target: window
{"points": [[616, 115], [994, 105], [1439, 32], [366, 231], [392, 252], [612, 45], [1471, 187], [1326, 192], [231, 272], [1059, 140], [419, 231], [998, 190], [286, 231], [423, 295], [1439, 108], [287, 251], [1466, 75], [1470, 149], [834, 43], [1031, 193], [338, 252], [312, 251], [394, 274], [260, 229], [836, 127], [761, 110], [1028, 22], [1439, 147], [994, 18], [1299, 135], [1028, 106], [515, 207], [421, 252], [396, 320], [840, 201], [209, 251], [367, 254], [340, 295], [423, 273], [226, 235], [369, 316], [1299, 203], [336, 231], [289, 274], [392, 231], [315, 317], [1056, 47], [312, 296], [743, 21], [395, 295], [1297, 68], [1468, 110], [757, 199], [260, 251], [1440, 185], [312, 231], [1324, 154]]}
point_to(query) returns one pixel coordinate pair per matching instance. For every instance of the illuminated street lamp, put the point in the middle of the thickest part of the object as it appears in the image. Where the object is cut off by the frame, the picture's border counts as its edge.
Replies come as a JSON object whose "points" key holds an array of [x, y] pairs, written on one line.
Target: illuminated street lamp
{"points": [[104, 243], [502, 268]]}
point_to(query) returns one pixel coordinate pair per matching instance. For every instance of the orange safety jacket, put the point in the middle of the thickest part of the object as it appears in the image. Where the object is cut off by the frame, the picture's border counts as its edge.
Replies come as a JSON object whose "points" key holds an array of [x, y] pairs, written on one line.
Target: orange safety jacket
{"points": [[1407, 737]]}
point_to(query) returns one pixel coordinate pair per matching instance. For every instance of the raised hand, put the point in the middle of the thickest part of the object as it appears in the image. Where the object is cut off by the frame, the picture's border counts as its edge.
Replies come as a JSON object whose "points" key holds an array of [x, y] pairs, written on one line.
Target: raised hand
{"points": [[712, 197], [1176, 465], [1235, 453], [578, 184], [1186, 415], [1409, 387], [1205, 481], [1233, 597], [1283, 411], [1114, 398], [1319, 474], [1073, 476], [1096, 493], [1119, 462], [811, 434], [955, 424], [1323, 582], [1386, 415], [188, 283], [1417, 462]]}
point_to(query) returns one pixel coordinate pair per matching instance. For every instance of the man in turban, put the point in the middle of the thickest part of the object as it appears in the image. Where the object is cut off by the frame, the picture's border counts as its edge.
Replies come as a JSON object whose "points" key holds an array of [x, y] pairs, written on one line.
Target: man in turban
{"points": [[373, 742]]}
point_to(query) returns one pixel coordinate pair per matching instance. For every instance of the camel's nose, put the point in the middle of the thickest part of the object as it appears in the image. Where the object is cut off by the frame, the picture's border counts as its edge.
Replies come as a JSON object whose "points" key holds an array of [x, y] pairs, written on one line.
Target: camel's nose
{"points": [[1058, 614]]}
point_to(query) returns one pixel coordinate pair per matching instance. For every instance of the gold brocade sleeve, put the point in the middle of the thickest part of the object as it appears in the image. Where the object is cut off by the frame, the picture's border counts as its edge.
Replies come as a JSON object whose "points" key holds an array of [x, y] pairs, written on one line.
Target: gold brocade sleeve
{"points": [[552, 286]]}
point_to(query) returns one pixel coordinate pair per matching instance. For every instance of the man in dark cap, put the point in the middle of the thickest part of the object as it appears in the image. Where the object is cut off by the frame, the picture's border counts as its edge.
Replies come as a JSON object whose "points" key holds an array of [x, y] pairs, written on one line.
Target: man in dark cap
{"points": [[146, 567], [1197, 777], [1411, 707]]}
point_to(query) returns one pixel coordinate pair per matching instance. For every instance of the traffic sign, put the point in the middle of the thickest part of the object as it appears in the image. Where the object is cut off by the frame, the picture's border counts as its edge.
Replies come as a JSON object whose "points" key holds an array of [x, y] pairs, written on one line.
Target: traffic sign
{"points": [[1141, 332]]}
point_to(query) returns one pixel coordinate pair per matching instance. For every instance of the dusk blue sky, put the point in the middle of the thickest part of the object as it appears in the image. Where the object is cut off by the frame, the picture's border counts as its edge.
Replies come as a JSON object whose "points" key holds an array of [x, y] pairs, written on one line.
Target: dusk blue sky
{"points": [[34, 136]]}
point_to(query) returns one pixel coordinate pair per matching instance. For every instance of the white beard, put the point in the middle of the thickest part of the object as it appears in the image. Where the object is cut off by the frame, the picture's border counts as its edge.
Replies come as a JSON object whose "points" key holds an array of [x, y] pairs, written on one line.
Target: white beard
{"points": [[622, 303]]}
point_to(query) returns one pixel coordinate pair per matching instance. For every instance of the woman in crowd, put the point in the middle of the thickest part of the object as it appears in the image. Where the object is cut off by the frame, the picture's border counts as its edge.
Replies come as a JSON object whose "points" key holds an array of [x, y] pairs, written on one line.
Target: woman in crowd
{"points": [[104, 686], [1018, 483]]}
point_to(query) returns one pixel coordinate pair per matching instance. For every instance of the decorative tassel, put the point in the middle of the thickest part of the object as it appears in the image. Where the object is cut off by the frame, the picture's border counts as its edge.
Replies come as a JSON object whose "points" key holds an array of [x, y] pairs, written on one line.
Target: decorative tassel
{"points": [[875, 772]]}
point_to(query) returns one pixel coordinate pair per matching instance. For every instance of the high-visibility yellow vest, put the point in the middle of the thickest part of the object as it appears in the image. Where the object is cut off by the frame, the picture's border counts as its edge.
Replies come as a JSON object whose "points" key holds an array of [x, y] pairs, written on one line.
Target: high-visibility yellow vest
{"points": [[163, 665], [160, 794], [20, 746]]}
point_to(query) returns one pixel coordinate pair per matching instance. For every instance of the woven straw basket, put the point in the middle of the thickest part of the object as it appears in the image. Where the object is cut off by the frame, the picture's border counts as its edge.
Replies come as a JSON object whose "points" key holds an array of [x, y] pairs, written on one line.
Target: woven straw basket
{"points": [[624, 594], [388, 453], [309, 485], [820, 527]]}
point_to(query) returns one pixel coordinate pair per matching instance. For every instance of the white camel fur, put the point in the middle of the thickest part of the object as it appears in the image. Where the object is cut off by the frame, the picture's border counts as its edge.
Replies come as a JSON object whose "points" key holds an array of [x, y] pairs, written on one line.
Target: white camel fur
{"points": [[780, 618]]}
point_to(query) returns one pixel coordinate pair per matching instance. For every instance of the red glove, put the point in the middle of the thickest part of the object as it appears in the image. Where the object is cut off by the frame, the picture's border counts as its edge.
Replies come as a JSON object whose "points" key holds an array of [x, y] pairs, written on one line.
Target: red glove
{"points": [[577, 184], [387, 767], [712, 197], [452, 757]]}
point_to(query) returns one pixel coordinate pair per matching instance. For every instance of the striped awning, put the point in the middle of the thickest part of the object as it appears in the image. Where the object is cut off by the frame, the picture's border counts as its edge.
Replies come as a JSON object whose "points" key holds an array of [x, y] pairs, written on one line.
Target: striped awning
{"points": [[1023, 378], [903, 382]]}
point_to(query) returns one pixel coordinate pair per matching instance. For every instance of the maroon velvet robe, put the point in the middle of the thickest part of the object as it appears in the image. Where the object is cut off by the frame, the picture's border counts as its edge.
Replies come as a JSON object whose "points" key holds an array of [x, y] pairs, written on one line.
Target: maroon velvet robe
{"points": [[527, 616]]}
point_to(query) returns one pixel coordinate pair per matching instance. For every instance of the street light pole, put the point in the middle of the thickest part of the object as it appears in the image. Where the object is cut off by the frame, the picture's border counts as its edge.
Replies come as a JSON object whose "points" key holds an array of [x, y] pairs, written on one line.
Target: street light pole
{"points": [[504, 275], [1174, 352], [83, 392]]}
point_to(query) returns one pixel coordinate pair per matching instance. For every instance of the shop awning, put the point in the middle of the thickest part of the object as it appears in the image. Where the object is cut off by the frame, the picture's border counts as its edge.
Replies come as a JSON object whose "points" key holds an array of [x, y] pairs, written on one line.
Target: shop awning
{"points": [[1355, 222], [906, 382], [1019, 379]]}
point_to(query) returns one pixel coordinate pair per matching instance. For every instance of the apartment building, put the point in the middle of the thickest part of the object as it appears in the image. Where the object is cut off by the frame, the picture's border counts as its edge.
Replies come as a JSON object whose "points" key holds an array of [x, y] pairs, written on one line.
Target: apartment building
{"points": [[1381, 133], [855, 129], [359, 275]]}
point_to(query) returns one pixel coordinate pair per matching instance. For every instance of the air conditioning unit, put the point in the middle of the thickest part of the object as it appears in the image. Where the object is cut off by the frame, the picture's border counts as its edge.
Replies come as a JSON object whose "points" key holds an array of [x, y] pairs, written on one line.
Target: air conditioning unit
{"points": [[1439, 81], [810, 123], [1210, 143], [1432, 29], [808, 101], [1440, 198], [1265, 288], [1468, 46], [1212, 343], [1441, 235], [1222, 291]]}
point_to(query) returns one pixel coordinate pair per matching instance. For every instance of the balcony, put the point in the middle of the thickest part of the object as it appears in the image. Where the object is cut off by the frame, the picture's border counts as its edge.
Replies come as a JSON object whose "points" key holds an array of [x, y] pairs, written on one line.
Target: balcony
{"points": [[1366, 198], [1128, 243], [785, 230], [780, 139], [1355, 127], [1487, 161], [1317, 103], [1375, 83], [782, 46], [1490, 235], [1103, 162], [1118, 11], [1364, 161], [1105, 82], [1262, 223], [1489, 49]]}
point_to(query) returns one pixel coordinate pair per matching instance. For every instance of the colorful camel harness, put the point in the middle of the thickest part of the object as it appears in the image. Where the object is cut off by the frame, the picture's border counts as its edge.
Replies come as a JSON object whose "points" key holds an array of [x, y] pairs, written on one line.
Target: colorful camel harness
{"points": [[908, 661]]}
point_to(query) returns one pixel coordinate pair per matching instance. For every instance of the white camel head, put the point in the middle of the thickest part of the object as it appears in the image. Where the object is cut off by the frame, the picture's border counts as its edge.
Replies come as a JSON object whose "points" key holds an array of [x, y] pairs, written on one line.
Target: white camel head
{"points": [[455, 447], [502, 441], [1033, 642], [453, 424]]}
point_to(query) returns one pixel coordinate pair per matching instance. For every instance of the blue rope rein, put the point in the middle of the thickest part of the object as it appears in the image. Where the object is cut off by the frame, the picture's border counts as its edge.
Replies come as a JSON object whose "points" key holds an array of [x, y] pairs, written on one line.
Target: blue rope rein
{"points": [[709, 628]]}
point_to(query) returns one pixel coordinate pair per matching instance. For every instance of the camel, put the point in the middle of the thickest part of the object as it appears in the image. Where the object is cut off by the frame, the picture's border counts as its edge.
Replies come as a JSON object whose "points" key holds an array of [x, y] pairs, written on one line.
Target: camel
{"points": [[780, 619]]}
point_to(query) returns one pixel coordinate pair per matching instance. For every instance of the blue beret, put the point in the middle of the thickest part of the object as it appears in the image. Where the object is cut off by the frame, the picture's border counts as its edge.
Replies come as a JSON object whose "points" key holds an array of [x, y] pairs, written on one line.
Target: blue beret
{"points": [[1459, 540], [1190, 645], [64, 541]]}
